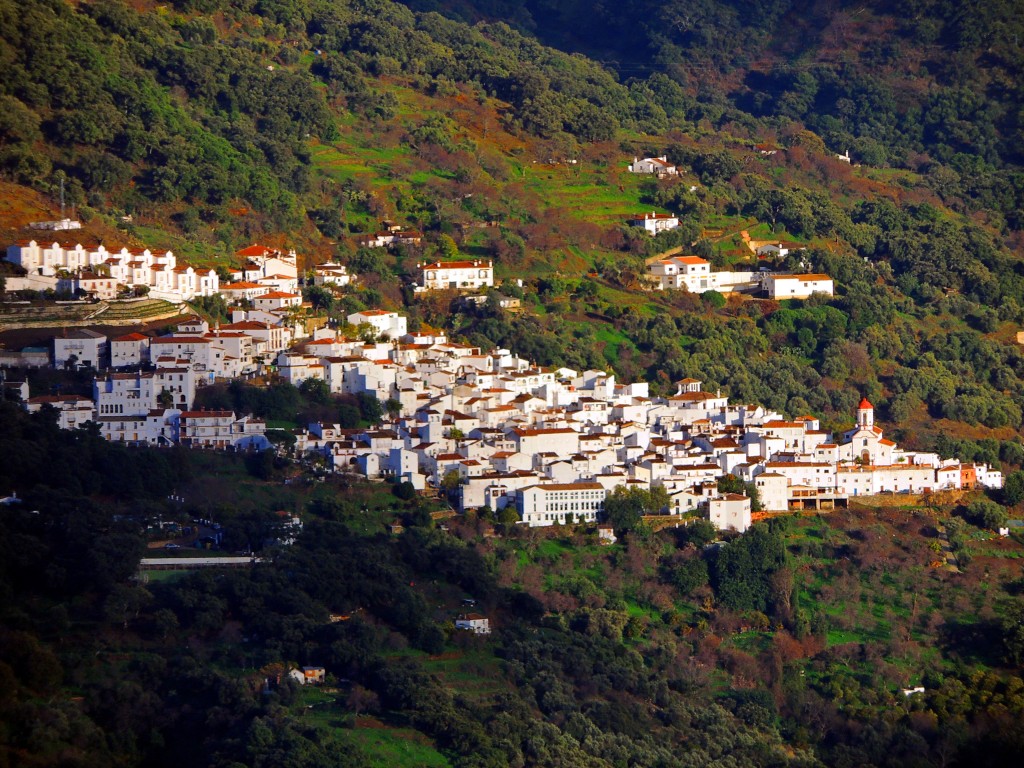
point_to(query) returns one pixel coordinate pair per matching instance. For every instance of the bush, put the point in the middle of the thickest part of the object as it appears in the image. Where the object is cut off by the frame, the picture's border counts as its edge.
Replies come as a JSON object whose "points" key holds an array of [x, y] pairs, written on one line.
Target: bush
{"points": [[985, 514]]}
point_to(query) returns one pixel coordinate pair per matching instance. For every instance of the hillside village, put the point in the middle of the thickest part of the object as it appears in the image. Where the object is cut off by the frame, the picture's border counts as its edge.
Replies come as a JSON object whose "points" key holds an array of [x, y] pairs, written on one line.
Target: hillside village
{"points": [[494, 429]]}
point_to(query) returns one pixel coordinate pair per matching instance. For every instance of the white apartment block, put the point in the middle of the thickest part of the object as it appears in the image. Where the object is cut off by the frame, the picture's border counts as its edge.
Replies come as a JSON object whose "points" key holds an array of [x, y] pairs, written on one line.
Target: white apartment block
{"points": [[136, 394], [92, 266], [221, 429], [560, 503]]}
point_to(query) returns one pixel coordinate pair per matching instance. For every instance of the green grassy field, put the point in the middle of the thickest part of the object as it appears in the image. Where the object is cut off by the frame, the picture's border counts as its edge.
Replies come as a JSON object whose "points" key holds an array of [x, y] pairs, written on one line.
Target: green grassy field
{"points": [[394, 748]]}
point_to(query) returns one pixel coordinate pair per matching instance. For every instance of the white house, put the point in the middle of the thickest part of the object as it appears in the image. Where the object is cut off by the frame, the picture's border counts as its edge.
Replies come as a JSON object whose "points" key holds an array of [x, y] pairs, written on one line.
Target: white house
{"points": [[73, 410], [331, 274], [221, 429], [243, 291], [390, 325], [696, 276], [463, 275], [730, 511], [475, 623], [659, 166], [654, 222], [81, 347], [103, 287], [561, 503], [773, 490], [268, 302], [130, 349], [798, 286]]}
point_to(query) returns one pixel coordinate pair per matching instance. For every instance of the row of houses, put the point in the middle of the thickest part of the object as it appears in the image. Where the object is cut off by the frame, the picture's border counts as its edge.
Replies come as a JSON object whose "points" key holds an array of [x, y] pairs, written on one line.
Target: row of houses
{"points": [[97, 271], [694, 274], [501, 432], [266, 275]]}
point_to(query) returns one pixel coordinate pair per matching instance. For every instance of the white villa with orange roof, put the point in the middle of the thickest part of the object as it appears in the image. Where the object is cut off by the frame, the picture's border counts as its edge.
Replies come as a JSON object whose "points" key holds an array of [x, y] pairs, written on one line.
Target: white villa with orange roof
{"points": [[659, 166], [695, 275], [390, 325]]}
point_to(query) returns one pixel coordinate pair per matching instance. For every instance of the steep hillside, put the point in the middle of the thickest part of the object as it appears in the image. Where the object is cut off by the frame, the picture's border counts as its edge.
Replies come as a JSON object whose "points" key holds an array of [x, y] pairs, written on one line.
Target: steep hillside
{"points": [[215, 124]]}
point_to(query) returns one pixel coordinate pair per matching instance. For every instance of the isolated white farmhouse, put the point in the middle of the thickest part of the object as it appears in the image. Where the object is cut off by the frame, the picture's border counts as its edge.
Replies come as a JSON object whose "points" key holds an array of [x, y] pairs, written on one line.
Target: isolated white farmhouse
{"points": [[654, 222], [660, 166]]}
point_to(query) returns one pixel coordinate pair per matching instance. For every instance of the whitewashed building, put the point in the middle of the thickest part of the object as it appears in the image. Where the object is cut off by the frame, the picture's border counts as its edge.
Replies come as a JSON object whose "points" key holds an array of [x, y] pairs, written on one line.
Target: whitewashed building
{"points": [[560, 503], [659, 166], [461, 275], [653, 222], [781, 287], [389, 325], [80, 347]]}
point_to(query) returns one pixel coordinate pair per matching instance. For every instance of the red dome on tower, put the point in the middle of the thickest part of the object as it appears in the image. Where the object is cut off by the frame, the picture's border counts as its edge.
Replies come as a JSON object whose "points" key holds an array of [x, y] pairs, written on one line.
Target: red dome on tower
{"points": [[864, 404]]}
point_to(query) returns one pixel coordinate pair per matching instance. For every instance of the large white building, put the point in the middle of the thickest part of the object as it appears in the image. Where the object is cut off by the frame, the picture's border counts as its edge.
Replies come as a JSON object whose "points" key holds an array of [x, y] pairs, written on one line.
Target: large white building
{"points": [[696, 276], [136, 394], [560, 503], [461, 275]]}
